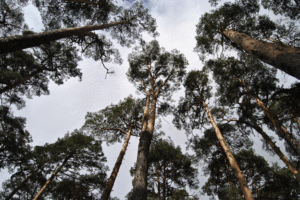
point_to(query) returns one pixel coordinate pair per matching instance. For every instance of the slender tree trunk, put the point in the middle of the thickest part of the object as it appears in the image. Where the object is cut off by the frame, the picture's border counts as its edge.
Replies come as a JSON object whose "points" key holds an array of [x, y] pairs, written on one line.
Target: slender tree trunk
{"points": [[281, 129], [26, 78], [21, 184], [158, 181], [140, 177], [238, 173], [52, 177], [113, 176], [283, 57], [295, 120], [15, 43], [275, 148], [164, 183]]}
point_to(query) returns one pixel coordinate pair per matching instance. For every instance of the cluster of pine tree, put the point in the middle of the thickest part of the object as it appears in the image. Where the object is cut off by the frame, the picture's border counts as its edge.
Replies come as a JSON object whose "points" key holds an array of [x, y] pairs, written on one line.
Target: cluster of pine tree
{"points": [[247, 99]]}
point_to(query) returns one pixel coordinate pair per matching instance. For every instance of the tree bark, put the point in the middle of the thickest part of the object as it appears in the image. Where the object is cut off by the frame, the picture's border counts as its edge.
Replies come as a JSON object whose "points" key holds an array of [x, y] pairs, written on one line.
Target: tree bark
{"points": [[52, 177], [140, 177], [238, 173], [15, 43], [283, 57], [26, 78], [113, 176], [158, 181], [275, 148], [164, 183], [281, 129]]}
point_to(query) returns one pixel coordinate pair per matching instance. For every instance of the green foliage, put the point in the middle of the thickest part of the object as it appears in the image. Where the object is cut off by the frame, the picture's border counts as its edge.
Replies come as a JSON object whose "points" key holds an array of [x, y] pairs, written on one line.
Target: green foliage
{"points": [[11, 18], [190, 113], [260, 176], [289, 8], [243, 17], [153, 67], [259, 78], [24, 73], [84, 165], [110, 123], [14, 139]]}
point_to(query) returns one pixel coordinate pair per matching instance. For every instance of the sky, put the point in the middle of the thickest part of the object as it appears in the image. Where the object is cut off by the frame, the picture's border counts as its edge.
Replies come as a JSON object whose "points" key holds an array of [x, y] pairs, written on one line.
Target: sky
{"points": [[52, 116]]}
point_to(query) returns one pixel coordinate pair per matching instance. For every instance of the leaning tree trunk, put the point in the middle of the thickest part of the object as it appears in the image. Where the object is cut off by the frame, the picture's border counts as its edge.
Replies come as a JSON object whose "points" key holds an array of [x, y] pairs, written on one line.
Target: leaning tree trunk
{"points": [[281, 129], [52, 177], [113, 176], [283, 57], [15, 43], [140, 177], [238, 173], [274, 147]]}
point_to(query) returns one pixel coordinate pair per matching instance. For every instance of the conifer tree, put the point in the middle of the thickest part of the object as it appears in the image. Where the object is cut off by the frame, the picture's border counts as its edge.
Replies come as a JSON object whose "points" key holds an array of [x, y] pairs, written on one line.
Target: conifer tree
{"points": [[169, 170], [112, 124], [247, 76], [70, 155], [125, 25], [239, 26], [156, 73], [190, 113]]}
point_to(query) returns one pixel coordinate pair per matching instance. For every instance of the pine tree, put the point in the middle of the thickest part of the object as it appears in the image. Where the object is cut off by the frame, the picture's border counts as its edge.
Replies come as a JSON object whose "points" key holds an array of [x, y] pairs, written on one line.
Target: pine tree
{"points": [[126, 26], [192, 108], [70, 155], [239, 26], [169, 170], [112, 124], [248, 76], [156, 73]]}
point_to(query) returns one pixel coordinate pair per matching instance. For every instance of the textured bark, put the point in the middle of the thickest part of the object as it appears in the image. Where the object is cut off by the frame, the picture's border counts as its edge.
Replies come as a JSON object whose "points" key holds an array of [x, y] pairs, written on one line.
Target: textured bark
{"points": [[15, 43], [283, 57], [113, 176], [275, 148], [281, 129], [146, 114], [237, 171], [52, 177], [26, 78], [21, 184], [140, 177]]}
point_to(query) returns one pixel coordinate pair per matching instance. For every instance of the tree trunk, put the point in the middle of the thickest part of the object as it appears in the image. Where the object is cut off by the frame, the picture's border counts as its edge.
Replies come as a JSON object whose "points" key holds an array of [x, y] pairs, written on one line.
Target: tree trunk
{"points": [[275, 148], [26, 78], [140, 177], [21, 184], [281, 129], [283, 57], [164, 183], [52, 177], [113, 176], [15, 43], [238, 174], [158, 181]]}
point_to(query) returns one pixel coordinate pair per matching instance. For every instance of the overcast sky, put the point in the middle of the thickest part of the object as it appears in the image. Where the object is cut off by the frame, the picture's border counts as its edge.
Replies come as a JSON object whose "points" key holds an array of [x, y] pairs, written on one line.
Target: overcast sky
{"points": [[52, 116]]}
